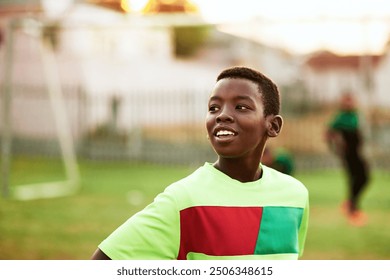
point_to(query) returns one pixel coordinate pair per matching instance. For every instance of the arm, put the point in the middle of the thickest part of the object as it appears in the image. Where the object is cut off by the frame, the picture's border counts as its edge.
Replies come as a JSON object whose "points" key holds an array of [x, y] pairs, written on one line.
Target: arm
{"points": [[335, 142], [152, 233], [99, 255]]}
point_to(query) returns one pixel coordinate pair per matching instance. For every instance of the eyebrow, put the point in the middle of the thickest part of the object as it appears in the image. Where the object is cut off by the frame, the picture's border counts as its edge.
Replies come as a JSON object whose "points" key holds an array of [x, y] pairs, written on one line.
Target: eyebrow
{"points": [[240, 97]]}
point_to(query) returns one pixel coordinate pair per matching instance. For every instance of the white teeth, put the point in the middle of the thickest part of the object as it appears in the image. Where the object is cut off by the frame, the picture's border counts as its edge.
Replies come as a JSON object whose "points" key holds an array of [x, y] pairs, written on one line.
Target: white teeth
{"points": [[224, 133]]}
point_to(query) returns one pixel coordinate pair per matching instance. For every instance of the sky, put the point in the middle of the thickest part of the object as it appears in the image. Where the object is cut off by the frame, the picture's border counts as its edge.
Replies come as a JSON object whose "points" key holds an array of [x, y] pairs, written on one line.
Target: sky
{"points": [[303, 26], [300, 26], [288, 9]]}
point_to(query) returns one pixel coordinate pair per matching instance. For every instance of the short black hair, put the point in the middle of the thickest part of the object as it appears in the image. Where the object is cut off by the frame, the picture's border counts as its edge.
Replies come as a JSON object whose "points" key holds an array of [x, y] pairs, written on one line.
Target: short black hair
{"points": [[267, 88]]}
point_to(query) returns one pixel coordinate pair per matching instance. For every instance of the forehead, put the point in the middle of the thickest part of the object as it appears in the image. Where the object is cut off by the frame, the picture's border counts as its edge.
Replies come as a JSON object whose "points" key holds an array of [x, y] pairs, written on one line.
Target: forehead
{"points": [[236, 88]]}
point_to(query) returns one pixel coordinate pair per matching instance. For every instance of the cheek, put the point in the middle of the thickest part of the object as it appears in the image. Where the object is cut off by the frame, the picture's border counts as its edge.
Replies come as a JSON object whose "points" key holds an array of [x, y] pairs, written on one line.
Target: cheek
{"points": [[209, 121], [256, 129]]}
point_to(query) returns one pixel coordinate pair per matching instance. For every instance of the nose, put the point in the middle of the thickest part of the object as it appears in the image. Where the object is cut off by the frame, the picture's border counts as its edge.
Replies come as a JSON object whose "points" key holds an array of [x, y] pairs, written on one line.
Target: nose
{"points": [[224, 116]]}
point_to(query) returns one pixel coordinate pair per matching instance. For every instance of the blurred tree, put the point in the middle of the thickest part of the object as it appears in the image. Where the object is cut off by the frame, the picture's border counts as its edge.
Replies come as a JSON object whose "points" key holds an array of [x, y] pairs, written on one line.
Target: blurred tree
{"points": [[188, 39], [51, 33]]}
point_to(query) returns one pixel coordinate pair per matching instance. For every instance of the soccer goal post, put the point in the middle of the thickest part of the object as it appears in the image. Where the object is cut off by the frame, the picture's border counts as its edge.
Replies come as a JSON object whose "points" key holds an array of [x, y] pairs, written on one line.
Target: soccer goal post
{"points": [[63, 132]]}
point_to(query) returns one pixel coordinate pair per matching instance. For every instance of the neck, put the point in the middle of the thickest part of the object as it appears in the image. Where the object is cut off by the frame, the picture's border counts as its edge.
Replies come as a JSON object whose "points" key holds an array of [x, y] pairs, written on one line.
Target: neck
{"points": [[240, 169]]}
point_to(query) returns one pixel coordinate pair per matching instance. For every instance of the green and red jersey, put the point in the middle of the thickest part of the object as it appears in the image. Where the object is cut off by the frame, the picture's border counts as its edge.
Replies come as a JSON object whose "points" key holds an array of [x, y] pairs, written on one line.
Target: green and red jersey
{"points": [[209, 215]]}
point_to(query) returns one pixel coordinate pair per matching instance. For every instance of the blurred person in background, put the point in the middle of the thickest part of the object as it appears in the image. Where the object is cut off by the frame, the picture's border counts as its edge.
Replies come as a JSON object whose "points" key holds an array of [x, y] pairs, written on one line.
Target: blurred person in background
{"points": [[279, 159], [345, 139]]}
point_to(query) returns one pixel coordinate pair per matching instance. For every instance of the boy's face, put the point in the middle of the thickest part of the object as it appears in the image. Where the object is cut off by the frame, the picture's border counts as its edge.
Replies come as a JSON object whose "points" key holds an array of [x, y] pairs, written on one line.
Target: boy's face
{"points": [[235, 120]]}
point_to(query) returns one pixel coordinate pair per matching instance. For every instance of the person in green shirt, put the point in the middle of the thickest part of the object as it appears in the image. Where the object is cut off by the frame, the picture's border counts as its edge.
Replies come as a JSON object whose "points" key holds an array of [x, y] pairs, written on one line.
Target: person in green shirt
{"points": [[344, 137], [280, 159], [234, 208]]}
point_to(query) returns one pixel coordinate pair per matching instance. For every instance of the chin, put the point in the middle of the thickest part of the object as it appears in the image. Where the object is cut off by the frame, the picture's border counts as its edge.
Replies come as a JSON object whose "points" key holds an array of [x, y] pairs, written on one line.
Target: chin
{"points": [[224, 154]]}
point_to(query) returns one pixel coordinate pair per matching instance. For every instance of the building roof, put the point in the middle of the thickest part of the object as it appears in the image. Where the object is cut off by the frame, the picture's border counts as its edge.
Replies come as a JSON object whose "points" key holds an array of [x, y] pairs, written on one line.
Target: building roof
{"points": [[328, 60], [19, 7], [115, 5]]}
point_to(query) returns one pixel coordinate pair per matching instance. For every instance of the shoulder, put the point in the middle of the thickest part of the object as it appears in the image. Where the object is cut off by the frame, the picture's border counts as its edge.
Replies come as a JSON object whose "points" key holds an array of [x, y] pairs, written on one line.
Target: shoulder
{"points": [[202, 175], [280, 176], [197, 175], [284, 181], [181, 187], [201, 187]]}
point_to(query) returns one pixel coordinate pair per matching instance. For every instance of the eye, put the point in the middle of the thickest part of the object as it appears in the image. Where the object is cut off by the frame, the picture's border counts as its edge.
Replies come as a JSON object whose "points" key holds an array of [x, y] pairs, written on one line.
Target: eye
{"points": [[242, 107], [213, 108]]}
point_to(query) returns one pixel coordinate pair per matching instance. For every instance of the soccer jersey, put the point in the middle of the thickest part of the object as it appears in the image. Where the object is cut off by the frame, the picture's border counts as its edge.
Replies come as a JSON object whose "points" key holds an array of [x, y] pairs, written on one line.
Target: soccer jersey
{"points": [[283, 161], [345, 120], [347, 124], [209, 215]]}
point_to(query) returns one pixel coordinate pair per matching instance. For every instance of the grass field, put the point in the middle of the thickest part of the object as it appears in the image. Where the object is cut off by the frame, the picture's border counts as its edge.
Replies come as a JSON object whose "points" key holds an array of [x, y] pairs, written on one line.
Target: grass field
{"points": [[71, 227]]}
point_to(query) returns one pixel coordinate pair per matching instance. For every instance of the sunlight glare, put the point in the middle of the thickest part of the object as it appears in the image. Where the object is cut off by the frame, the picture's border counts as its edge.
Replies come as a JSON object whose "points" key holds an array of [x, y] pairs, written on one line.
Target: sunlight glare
{"points": [[133, 5]]}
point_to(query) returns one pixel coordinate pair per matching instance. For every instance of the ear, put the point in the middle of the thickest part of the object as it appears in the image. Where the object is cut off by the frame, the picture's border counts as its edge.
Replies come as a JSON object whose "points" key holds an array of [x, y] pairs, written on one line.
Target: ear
{"points": [[275, 123]]}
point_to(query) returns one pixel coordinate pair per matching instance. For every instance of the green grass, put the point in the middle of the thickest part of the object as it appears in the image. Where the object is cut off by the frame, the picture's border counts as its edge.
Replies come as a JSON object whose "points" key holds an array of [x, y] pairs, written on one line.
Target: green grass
{"points": [[71, 227], [329, 235]]}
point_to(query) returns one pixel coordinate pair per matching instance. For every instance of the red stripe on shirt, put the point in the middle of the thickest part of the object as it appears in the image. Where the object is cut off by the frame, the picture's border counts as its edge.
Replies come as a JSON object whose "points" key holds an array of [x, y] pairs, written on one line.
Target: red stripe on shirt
{"points": [[219, 231]]}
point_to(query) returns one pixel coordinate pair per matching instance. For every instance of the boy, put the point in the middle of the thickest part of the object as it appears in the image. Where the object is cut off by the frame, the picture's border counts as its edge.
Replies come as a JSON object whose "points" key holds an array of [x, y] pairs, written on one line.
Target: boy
{"points": [[235, 208]]}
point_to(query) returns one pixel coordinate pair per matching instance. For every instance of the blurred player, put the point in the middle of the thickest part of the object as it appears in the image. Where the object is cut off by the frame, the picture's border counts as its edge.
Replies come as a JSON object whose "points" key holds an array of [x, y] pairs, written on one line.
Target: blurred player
{"points": [[279, 159], [345, 139]]}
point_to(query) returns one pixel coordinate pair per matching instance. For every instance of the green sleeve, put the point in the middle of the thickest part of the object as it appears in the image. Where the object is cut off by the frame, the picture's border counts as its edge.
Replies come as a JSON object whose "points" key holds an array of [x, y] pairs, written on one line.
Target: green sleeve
{"points": [[152, 233]]}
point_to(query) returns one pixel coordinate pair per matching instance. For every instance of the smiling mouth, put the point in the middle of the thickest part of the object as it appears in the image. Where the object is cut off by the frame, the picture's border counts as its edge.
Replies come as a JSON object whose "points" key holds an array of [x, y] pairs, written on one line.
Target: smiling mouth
{"points": [[224, 133]]}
